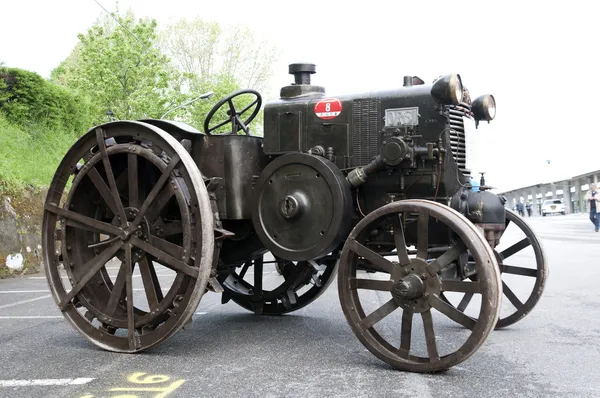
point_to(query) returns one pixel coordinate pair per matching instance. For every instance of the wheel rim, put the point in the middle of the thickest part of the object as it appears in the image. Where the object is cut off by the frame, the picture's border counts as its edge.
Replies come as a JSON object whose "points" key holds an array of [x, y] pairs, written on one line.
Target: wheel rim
{"points": [[417, 291], [298, 285], [512, 305], [135, 172]]}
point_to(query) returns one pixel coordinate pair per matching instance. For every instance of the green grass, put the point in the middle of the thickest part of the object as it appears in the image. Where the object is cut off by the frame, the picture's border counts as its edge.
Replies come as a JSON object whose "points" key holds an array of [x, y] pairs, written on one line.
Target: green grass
{"points": [[29, 156]]}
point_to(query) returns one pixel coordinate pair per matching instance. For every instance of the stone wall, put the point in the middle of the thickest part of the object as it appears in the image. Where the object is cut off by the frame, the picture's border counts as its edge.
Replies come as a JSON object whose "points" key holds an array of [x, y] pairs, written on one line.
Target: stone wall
{"points": [[20, 233]]}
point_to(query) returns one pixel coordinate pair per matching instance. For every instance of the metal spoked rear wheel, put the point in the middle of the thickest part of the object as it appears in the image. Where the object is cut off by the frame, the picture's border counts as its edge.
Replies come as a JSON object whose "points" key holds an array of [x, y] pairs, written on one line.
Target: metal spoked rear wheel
{"points": [[136, 200]]}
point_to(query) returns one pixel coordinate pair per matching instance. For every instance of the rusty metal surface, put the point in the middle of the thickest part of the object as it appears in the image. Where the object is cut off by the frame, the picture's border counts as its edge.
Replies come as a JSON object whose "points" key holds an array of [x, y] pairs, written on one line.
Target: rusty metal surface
{"points": [[415, 286], [131, 178]]}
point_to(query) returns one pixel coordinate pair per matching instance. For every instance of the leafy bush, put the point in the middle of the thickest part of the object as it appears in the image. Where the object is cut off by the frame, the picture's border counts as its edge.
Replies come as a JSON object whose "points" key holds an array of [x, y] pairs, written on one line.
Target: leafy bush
{"points": [[26, 99], [30, 155]]}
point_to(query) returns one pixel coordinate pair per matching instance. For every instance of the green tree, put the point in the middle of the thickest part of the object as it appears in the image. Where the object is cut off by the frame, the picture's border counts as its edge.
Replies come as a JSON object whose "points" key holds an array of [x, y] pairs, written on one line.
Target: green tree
{"points": [[223, 61], [119, 67]]}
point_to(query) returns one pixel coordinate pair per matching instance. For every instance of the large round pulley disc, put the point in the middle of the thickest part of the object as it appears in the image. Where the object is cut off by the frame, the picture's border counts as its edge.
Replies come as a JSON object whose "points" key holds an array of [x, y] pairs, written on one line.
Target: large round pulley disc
{"points": [[301, 207]]}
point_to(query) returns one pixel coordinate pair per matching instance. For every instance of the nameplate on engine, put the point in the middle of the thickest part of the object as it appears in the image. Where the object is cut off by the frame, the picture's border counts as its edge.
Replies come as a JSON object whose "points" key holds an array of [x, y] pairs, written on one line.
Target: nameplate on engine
{"points": [[401, 117]]}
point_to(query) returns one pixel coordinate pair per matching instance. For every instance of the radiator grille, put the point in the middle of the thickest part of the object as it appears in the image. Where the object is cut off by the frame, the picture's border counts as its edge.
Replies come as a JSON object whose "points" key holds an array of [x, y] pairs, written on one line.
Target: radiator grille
{"points": [[365, 128], [457, 135]]}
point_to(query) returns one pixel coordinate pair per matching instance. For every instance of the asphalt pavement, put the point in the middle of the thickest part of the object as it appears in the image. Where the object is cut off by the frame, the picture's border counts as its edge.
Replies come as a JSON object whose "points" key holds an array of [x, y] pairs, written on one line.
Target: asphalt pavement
{"points": [[229, 352]]}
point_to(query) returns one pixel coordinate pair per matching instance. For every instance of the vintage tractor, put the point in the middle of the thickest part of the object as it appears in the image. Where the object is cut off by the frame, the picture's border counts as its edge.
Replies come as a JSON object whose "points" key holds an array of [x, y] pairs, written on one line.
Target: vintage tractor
{"points": [[373, 188]]}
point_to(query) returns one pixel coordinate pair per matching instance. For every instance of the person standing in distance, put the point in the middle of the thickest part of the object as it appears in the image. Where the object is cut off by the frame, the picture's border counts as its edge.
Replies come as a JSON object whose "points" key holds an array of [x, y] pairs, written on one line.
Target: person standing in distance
{"points": [[592, 198]]}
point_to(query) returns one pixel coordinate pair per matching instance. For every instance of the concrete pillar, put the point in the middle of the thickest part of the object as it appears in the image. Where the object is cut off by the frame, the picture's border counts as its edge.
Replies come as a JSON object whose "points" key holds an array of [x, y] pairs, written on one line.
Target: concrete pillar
{"points": [[567, 197], [534, 211]]}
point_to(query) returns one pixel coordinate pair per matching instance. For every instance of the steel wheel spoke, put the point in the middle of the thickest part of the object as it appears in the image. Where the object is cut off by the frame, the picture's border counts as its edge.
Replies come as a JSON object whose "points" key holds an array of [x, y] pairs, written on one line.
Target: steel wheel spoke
{"points": [[117, 291], [448, 257], [452, 312], [129, 287], [169, 248], [247, 265], [87, 222], [102, 188], [517, 247], [159, 203], [511, 296], [169, 229], [406, 332], [132, 170], [371, 284], [151, 283], [460, 286], [423, 236], [258, 276], [94, 265], [379, 314], [164, 258], [509, 269], [400, 241], [378, 262], [110, 177], [464, 303], [155, 190], [430, 336]]}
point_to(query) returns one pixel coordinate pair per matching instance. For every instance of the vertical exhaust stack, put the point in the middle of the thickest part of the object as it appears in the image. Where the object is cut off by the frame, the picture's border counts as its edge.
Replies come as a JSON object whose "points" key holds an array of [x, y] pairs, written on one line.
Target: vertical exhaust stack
{"points": [[302, 86]]}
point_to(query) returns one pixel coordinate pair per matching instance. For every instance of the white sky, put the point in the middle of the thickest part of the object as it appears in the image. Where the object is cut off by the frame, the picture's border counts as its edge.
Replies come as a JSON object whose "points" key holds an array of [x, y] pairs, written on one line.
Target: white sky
{"points": [[539, 59]]}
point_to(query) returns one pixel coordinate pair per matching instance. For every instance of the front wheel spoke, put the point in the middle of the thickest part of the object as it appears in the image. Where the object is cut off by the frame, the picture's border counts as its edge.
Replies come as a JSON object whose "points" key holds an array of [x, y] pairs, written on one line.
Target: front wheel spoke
{"points": [[110, 176], [258, 276], [164, 258], [464, 303], [400, 241], [509, 269], [93, 266], [371, 284], [151, 283], [423, 236], [452, 313], [379, 314], [460, 286], [378, 262], [514, 300], [156, 189], [89, 223], [432, 350], [449, 256], [129, 287], [169, 228], [406, 332], [517, 247]]}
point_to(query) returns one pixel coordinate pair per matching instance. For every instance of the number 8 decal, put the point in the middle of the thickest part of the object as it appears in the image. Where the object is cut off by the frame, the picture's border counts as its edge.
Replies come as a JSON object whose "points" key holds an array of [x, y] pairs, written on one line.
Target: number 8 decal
{"points": [[328, 107]]}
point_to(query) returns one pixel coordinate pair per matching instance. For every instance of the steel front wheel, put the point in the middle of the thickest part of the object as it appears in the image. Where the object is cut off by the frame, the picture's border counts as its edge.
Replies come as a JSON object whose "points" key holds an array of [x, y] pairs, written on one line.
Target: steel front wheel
{"points": [[137, 202], [414, 284], [520, 278]]}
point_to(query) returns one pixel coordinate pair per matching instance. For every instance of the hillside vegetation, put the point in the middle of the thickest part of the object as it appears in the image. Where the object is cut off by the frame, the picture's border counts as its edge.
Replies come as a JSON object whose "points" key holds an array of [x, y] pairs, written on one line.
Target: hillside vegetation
{"points": [[133, 69]]}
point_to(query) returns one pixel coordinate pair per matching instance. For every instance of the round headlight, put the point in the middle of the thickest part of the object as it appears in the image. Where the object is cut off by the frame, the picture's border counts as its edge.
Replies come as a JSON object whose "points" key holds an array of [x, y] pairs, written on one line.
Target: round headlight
{"points": [[448, 89], [484, 107], [458, 89]]}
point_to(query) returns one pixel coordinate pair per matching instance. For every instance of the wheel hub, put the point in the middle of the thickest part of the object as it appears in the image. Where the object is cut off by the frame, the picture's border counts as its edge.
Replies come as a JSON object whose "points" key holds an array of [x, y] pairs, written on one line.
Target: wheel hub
{"points": [[414, 285], [142, 232]]}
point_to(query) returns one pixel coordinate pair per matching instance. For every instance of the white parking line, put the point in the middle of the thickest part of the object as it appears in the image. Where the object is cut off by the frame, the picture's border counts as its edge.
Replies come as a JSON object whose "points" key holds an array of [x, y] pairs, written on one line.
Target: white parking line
{"points": [[32, 317], [45, 382], [24, 301]]}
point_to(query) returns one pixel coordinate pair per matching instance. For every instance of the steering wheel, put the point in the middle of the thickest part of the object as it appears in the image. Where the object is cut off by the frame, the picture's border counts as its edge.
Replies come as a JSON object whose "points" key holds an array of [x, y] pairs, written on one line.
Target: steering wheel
{"points": [[235, 117]]}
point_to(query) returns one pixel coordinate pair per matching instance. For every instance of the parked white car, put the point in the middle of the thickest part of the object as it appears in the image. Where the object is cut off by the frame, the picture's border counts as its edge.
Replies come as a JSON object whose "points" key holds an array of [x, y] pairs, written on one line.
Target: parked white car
{"points": [[553, 206]]}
